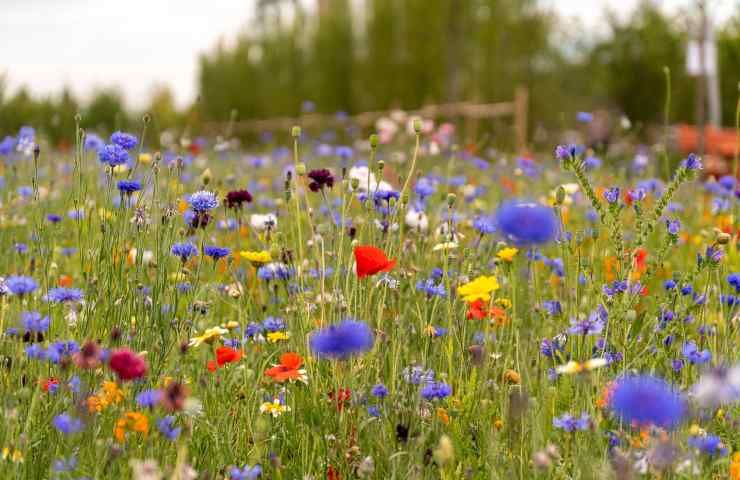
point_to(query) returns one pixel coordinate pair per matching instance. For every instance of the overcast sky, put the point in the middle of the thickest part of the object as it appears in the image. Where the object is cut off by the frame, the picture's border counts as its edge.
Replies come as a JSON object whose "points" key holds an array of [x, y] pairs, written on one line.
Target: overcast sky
{"points": [[135, 44]]}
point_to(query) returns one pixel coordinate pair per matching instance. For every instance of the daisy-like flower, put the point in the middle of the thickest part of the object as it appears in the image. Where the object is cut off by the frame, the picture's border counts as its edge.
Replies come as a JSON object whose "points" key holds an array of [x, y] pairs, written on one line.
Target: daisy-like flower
{"points": [[274, 408], [478, 289], [209, 336], [289, 369], [262, 222], [507, 254]]}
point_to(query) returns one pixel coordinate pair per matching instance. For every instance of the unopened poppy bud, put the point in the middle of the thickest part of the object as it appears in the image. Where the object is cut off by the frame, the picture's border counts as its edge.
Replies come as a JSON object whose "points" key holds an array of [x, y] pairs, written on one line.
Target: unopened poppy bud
{"points": [[300, 169], [560, 195], [355, 182], [723, 238], [381, 165], [404, 198], [417, 125], [296, 131], [146, 118], [374, 140], [451, 198]]}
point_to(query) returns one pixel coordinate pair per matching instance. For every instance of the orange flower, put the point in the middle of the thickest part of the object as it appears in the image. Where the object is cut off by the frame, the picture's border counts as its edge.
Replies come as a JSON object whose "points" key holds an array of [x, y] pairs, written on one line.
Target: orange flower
{"points": [[641, 260], [65, 281], [289, 368], [478, 310], [131, 422], [371, 260]]}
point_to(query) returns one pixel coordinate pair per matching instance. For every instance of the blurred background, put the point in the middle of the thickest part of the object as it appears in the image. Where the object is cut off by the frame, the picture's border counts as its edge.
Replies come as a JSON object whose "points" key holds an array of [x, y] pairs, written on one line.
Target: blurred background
{"points": [[197, 65]]}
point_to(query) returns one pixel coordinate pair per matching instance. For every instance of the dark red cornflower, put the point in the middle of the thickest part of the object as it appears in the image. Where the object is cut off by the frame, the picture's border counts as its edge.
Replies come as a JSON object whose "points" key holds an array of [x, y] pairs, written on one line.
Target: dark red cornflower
{"points": [[127, 364], [321, 178], [236, 198], [89, 355], [371, 260], [174, 396]]}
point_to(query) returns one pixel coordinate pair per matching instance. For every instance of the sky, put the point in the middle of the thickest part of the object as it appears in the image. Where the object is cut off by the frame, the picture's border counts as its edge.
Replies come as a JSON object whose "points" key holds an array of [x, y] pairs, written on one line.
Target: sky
{"points": [[138, 44]]}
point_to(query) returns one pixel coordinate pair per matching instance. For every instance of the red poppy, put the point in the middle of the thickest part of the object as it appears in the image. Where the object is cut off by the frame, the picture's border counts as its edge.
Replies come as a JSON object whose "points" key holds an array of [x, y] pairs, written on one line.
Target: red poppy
{"points": [[288, 369], [127, 364], [371, 260], [477, 310], [224, 355], [641, 260], [332, 474]]}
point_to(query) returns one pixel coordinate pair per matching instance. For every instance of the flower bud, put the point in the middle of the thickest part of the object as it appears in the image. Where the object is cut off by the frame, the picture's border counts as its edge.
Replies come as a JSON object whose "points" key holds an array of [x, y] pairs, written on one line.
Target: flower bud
{"points": [[417, 125], [374, 140], [560, 195], [300, 169], [295, 132], [451, 198]]}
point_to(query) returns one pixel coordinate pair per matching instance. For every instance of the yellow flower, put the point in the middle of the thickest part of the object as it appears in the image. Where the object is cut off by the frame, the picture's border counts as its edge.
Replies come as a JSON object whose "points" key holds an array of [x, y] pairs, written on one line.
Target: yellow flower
{"points": [[95, 404], [503, 302], [15, 455], [256, 257], [478, 289], [231, 325], [274, 408], [507, 254], [131, 422], [209, 336], [118, 169], [145, 158], [274, 337]]}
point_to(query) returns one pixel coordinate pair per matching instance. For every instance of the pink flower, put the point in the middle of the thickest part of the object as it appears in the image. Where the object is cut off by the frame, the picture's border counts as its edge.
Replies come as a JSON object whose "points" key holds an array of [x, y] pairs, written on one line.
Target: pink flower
{"points": [[127, 364]]}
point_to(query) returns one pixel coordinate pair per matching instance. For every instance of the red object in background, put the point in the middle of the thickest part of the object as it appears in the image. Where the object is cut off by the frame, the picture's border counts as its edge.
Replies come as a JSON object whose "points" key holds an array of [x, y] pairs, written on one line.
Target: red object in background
{"points": [[371, 260], [718, 142]]}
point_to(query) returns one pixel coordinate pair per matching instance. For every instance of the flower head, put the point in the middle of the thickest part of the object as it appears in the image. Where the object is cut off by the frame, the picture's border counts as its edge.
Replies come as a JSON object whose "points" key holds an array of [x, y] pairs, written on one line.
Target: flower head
{"points": [[124, 140], [113, 155], [320, 179], [64, 295], [216, 253], [127, 364], [647, 400], [692, 162], [526, 223], [184, 250], [202, 201], [237, 198], [343, 340], [129, 186], [289, 369], [20, 285], [371, 260], [478, 289]]}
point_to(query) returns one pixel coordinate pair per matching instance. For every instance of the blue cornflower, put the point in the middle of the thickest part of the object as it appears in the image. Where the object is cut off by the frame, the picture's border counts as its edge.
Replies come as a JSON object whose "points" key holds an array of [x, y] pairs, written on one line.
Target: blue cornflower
{"points": [[669, 284], [379, 391], [569, 423], [416, 375], [166, 427], [692, 353], [34, 322], [202, 201], [216, 253], [584, 117], [129, 186], [528, 166], [7, 145], [438, 390], [430, 288], [485, 224], [124, 140], [692, 162], [708, 444], [591, 326], [62, 465], [564, 152], [35, 352], [273, 324], [20, 285], [64, 295], [343, 340], [591, 162], [647, 400], [245, 473], [552, 307], [425, 187], [149, 398], [275, 271], [611, 195], [21, 248], [54, 218], [674, 226], [113, 155], [526, 223], [734, 280], [93, 142], [60, 349], [253, 330], [184, 250], [67, 424], [373, 411]]}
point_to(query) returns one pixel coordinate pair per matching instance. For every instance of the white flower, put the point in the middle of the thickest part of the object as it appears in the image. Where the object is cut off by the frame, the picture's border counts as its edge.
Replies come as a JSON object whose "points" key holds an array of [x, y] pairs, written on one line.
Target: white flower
{"points": [[718, 386], [261, 222], [417, 220]]}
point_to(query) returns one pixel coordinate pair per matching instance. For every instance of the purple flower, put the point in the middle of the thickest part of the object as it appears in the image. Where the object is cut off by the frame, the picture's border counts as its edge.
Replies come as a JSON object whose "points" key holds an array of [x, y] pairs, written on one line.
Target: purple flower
{"points": [[692, 162], [611, 195], [593, 325], [129, 186], [245, 473], [674, 226], [708, 445], [184, 250], [216, 253], [379, 391], [202, 201], [149, 398], [166, 427], [526, 223], [20, 285], [64, 295]]}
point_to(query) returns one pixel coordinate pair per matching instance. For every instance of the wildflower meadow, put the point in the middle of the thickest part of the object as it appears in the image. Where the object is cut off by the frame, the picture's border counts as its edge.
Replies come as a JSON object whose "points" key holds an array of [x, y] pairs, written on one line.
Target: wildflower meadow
{"points": [[391, 305]]}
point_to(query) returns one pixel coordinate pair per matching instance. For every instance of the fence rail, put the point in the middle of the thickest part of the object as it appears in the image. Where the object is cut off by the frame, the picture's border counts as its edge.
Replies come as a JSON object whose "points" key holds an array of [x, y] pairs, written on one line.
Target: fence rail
{"points": [[470, 111]]}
